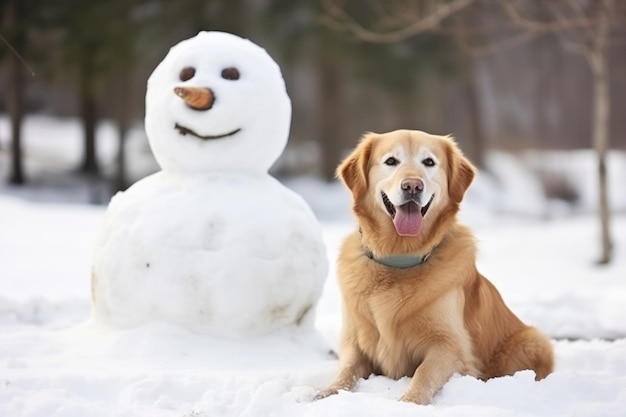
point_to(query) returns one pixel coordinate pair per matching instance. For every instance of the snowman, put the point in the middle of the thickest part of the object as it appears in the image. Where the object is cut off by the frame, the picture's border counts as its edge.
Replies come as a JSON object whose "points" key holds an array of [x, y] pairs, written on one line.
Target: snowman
{"points": [[211, 242]]}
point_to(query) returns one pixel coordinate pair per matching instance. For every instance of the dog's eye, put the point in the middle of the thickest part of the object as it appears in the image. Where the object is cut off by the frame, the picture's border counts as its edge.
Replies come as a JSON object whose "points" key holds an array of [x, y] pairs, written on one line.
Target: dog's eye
{"points": [[429, 162], [391, 161], [187, 73], [230, 73]]}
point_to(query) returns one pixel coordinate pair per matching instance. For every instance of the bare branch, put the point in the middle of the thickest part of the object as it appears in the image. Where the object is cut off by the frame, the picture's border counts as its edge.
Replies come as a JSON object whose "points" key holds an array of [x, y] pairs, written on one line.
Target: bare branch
{"points": [[580, 46], [408, 18], [561, 21], [514, 14], [507, 43], [426, 23]]}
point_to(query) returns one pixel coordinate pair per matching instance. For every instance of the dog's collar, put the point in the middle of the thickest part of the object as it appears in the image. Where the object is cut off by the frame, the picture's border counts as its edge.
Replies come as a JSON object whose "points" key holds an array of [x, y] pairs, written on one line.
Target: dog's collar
{"points": [[398, 261], [395, 261]]}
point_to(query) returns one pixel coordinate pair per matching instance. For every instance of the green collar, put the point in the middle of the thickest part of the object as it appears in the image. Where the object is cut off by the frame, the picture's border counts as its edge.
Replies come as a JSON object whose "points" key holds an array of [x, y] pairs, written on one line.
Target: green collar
{"points": [[398, 261], [395, 261]]}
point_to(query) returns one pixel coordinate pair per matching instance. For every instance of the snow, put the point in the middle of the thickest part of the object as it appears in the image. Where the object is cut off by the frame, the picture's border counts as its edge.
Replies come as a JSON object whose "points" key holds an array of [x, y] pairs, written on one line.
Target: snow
{"points": [[54, 361], [523, 193], [578, 171]]}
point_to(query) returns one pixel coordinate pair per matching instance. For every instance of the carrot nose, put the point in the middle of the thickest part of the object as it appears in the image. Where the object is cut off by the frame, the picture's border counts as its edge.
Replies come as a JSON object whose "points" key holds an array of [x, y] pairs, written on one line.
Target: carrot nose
{"points": [[198, 98]]}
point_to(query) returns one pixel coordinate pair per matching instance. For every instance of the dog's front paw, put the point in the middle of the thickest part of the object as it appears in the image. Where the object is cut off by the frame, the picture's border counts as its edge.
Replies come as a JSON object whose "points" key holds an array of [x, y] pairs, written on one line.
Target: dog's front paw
{"points": [[416, 397], [326, 392]]}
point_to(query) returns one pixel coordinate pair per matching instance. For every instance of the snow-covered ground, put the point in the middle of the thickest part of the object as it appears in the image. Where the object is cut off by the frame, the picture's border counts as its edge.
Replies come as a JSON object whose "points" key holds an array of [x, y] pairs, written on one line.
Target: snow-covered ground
{"points": [[55, 362]]}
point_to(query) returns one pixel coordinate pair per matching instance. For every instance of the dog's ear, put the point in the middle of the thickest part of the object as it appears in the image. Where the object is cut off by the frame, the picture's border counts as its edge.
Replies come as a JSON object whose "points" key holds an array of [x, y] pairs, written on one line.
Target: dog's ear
{"points": [[461, 172], [353, 170]]}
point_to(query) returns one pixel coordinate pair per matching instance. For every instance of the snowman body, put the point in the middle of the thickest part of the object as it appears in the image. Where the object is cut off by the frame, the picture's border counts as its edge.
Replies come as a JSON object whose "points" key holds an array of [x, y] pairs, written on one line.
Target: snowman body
{"points": [[211, 242]]}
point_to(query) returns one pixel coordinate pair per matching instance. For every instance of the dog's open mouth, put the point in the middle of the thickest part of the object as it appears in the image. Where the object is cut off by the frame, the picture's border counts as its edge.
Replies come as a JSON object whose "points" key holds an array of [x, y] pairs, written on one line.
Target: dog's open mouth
{"points": [[186, 131], [408, 217]]}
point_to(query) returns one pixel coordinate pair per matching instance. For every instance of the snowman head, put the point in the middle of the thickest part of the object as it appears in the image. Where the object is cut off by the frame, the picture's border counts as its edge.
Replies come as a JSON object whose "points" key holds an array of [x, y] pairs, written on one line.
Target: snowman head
{"points": [[217, 103]]}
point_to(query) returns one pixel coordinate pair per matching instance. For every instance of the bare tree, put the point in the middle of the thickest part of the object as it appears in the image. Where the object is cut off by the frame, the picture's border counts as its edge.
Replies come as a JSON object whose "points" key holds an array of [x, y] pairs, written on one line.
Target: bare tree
{"points": [[397, 20], [584, 27], [12, 24]]}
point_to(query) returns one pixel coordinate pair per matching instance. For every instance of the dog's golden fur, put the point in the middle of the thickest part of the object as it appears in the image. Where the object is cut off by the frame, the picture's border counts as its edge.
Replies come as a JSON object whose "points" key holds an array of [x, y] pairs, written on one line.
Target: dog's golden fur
{"points": [[439, 317]]}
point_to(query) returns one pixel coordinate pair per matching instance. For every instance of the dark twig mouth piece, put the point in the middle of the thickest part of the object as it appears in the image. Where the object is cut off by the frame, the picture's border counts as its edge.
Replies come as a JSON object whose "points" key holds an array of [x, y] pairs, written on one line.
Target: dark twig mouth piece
{"points": [[186, 131], [391, 209]]}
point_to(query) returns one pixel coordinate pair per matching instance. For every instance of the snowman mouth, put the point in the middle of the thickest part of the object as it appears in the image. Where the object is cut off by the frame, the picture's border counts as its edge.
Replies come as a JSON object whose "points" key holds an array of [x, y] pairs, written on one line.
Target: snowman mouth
{"points": [[186, 131]]}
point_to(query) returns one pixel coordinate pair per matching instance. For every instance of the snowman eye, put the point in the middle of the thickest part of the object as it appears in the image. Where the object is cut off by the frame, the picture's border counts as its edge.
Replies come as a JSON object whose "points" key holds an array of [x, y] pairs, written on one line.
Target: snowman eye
{"points": [[187, 73], [230, 73]]}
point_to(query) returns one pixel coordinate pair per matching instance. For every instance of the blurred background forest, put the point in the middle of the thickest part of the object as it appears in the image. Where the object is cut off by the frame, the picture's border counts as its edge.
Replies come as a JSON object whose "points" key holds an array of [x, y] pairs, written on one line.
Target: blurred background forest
{"points": [[531, 78], [510, 75]]}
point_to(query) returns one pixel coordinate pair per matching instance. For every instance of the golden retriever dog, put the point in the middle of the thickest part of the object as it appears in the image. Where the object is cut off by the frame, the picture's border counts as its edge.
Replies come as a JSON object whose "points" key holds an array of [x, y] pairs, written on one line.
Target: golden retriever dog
{"points": [[414, 303]]}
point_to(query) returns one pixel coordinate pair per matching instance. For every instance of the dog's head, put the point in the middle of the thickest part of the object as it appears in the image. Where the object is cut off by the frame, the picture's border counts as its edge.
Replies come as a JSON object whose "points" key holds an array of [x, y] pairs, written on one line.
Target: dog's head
{"points": [[409, 176]]}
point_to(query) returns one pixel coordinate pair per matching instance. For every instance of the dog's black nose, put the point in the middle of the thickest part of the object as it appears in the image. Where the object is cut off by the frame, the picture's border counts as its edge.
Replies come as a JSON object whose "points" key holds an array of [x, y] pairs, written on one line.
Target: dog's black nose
{"points": [[412, 186]]}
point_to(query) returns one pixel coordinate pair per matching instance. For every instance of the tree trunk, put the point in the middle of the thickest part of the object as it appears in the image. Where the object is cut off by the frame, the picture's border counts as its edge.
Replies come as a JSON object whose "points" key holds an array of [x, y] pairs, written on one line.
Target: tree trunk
{"points": [[331, 113], [476, 150], [120, 180], [17, 114], [598, 59], [15, 104], [89, 118], [121, 113]]}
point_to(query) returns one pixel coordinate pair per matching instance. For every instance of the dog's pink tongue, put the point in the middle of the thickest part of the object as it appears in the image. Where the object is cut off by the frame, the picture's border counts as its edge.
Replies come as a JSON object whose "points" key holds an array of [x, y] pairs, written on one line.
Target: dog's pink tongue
{"points": [[408, 219]]}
